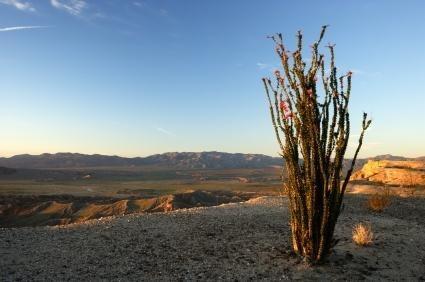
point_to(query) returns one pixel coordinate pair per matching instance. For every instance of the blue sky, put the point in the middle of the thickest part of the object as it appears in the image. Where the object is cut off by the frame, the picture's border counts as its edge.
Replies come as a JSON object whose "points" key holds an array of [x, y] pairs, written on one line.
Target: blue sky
{"points": [[134, 78]]}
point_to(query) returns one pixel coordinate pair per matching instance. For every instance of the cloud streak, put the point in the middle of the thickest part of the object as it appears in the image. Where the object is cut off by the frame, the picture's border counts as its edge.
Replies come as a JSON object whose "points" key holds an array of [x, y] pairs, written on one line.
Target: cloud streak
{"points": [[365, 73], [262, 66], [15, 28], [18, 4], [366, 145], [139, 4], [73, 7], [164, 131], [266, 67]]}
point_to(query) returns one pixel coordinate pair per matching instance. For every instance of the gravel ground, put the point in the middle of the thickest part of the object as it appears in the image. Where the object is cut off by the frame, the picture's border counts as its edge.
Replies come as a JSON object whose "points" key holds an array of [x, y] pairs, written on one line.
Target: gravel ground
{"points": [[238, 242]]}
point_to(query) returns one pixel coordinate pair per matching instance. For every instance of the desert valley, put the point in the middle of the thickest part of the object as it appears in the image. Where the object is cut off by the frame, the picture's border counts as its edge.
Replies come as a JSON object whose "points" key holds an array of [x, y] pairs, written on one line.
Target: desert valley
{"points": [[200, 216]]}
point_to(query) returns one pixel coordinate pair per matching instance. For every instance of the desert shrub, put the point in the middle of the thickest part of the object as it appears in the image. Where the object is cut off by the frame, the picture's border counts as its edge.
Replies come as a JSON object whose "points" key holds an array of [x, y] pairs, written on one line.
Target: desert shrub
{"points": [[313, 135], [362, 234], [379, 201]]}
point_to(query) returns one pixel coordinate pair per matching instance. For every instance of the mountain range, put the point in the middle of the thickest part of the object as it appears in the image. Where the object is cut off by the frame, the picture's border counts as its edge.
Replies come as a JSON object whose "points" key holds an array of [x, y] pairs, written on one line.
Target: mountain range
{"points": [[178, 160]]}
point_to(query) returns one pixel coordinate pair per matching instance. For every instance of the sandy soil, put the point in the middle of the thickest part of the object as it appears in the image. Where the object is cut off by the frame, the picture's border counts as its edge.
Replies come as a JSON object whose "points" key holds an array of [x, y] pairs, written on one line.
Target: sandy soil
{"points": [[240, 241]]}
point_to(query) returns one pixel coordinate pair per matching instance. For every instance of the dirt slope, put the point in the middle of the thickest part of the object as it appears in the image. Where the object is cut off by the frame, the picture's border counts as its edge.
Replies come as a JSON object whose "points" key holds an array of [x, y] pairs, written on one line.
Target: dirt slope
{"points": [[240, 241]]}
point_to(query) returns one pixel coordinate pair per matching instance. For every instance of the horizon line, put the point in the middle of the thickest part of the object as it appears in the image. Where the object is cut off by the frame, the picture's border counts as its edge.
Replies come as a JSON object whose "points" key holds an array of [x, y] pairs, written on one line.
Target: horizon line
{"points": [[182, 152]]}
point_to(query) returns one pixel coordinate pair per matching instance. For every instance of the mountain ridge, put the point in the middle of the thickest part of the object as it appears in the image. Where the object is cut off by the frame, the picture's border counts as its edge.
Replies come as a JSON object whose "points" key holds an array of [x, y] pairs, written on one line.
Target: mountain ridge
{"points": [[189, 160], [211, 159]]}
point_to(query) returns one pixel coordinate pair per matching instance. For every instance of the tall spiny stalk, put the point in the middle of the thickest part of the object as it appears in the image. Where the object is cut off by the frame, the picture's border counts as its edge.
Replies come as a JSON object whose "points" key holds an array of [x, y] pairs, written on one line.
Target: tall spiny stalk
{"points": [[313, 135]]}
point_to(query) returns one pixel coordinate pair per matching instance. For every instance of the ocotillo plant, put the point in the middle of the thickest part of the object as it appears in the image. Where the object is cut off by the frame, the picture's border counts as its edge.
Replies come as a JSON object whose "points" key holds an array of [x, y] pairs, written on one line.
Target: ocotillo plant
{"points": [[313, 134]]}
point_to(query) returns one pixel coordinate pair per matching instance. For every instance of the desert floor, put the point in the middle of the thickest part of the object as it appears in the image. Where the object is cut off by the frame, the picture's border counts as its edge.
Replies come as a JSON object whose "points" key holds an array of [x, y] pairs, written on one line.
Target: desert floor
{"points": [[242, 241]]}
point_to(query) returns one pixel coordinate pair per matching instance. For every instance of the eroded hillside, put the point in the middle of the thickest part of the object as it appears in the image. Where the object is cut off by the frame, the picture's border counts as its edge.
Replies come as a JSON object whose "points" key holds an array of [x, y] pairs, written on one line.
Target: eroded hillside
{"points": [[65, 209]]}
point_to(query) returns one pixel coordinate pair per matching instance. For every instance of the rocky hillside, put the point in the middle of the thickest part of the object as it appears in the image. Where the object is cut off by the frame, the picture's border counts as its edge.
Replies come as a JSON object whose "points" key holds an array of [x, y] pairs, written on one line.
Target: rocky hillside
{"points": [[184, 160], [405, 173]]}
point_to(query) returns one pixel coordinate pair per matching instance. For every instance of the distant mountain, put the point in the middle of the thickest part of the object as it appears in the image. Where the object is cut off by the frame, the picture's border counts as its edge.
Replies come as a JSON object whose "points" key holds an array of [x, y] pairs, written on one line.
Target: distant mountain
{"points": [[7, 171], [176, 160], [184, 160], [65, 160], [389, 157], [212, 160]]}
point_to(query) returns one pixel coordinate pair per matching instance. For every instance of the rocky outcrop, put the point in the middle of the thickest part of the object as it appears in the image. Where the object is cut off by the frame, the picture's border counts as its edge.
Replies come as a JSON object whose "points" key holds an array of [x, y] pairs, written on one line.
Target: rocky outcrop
{"points": [[403, 173]]}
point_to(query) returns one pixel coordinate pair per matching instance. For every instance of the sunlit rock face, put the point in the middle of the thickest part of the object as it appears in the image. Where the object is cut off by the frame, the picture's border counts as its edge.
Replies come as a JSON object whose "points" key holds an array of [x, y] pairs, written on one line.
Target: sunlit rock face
{"points": [[405, 173]]}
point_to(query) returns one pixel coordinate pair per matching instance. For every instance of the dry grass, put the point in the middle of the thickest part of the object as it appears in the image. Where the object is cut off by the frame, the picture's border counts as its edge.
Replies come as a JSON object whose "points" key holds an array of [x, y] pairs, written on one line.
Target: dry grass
{"points": [[379, 201], [362, 234]]}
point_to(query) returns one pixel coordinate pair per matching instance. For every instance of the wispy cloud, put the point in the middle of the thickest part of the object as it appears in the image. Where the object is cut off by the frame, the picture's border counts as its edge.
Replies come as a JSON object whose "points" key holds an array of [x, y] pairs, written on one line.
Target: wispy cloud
{"points": [[163, 12], [20, 5], [366, 73], [14, 28], [73, 7], [142, 5], [164, 131], [267, 67], [139, 4], [262, 66], [365, 145]]}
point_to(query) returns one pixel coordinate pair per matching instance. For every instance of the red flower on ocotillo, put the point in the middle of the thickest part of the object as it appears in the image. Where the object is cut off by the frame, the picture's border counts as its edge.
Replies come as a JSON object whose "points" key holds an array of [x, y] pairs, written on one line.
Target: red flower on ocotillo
{"points": [[289, 115], [310, 92], [281, 80], [283, 106]]}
